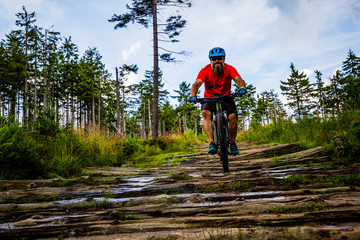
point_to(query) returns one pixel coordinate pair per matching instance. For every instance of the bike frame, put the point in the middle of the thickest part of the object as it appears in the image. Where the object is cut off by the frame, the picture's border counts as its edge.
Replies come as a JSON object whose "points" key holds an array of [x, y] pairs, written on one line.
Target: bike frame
{"points": [[215, 123], [219, 136]]}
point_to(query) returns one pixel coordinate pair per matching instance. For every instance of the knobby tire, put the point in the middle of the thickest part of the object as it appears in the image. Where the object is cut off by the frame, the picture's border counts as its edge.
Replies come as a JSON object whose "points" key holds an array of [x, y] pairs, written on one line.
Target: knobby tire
{"points": [[221, 133]]}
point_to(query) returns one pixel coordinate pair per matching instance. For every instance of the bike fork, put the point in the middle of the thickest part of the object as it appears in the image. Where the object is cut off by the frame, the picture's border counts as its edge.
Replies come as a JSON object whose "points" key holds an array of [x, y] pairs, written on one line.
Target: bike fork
{"points": [[215, 128], [226, 121]]}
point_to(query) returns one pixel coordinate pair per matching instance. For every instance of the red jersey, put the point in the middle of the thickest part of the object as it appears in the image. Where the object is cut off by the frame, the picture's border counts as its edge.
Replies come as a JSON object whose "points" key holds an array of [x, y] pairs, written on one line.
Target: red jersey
{"points": [[217, 84]]}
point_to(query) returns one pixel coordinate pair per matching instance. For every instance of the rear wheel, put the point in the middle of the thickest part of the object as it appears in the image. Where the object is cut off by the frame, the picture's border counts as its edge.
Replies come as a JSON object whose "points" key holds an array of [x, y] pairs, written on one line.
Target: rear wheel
{"points": [[221, 133]]}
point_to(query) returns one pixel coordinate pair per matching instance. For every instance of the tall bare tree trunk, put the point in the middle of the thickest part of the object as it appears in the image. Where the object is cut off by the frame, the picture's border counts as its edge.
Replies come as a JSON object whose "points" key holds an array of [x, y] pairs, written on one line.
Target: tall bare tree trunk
{"points": [[93, 105], [45, 72], [185, 122], [99, 115], [80, 116], [164, 129], [117, 99], [123, 114], [243, 121], [156, 73], [25, 102], [150, 124], [67, 110], [143, 131], [72, 106], [35, 81]]}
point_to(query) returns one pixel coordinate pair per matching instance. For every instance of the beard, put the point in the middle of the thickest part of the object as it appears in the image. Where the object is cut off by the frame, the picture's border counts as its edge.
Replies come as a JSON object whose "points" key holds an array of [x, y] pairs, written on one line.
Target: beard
{"points": [[218, 69]]}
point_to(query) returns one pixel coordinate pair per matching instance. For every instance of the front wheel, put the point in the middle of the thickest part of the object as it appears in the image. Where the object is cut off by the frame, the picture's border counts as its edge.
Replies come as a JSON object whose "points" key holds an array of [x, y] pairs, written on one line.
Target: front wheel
{"points": [[222, 140]]}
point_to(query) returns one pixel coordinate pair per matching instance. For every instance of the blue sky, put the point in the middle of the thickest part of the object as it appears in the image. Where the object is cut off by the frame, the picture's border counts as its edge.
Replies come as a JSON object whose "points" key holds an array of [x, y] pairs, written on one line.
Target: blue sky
{"points": [[261, 37]]}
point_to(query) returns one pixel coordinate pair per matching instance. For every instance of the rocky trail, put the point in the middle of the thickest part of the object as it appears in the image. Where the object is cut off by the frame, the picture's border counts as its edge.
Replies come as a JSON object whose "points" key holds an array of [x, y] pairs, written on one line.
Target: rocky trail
{"points": [[274, 191]]}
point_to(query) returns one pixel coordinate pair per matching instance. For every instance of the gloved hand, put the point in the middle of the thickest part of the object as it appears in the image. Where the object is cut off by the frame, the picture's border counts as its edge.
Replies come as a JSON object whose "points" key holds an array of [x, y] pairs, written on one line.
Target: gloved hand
{"points": [[193, 99], [242, 91]]}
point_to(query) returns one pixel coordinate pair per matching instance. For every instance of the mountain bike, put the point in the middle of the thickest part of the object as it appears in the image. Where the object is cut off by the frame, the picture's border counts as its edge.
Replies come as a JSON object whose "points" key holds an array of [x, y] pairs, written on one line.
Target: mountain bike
{"points": [[221, 127]]}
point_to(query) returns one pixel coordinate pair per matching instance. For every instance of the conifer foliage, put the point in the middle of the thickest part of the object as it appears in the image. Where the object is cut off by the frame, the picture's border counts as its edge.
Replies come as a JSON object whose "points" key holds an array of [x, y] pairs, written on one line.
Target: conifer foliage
{"points": [[297, 89]]}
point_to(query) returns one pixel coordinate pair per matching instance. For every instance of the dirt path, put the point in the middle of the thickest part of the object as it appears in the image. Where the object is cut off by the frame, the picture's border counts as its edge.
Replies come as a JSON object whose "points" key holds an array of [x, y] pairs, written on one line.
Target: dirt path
{"points": [[272, 192]]}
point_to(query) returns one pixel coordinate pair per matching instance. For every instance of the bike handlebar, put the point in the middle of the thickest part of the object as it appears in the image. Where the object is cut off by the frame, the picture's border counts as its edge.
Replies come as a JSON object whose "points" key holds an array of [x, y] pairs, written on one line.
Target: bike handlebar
{"points": [[216, 98]]}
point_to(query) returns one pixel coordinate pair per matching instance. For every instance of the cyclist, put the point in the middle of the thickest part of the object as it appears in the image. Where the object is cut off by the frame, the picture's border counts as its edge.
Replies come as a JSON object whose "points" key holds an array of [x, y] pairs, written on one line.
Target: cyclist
{"points": [[217, 77]]}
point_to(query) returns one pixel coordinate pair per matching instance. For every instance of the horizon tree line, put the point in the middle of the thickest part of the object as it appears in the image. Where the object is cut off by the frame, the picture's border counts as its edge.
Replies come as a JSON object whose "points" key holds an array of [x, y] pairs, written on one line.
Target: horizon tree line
{"points": [[43, 76]]}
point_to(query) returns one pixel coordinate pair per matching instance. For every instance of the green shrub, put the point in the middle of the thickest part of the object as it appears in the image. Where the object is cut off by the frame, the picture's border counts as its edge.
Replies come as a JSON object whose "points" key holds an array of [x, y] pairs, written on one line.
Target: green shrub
{"points": [[20, 155], [131, 146]]}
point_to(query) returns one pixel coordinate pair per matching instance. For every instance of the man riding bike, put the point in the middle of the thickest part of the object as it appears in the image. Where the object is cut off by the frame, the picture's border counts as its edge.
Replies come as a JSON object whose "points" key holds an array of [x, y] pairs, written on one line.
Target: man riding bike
{"points": [[217, 77]]}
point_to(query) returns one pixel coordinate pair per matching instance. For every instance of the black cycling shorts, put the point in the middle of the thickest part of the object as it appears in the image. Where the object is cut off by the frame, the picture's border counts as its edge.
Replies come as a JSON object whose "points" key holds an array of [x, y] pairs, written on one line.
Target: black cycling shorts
{"points": [[227, 104]]}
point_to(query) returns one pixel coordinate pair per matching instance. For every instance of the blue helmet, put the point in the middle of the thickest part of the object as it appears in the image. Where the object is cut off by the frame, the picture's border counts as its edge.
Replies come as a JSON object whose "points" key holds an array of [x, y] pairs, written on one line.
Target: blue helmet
{"points": [[217, 52]]}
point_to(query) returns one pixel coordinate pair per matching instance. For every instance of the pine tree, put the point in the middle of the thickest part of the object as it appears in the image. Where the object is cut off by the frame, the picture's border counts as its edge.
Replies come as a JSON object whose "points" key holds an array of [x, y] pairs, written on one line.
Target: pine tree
{"points": [[297, 89], [69, 68], [246, 103], [351, 80], [26, 21], [121, 76], [12, 71], [145, 90], [184, 108], [319, 94], [144, 12], [334, 97]]}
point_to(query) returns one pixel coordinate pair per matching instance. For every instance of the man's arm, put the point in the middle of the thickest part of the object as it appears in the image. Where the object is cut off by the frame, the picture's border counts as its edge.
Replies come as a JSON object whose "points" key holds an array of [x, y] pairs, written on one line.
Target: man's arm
{"points": [[239, 81], [195, 87]]}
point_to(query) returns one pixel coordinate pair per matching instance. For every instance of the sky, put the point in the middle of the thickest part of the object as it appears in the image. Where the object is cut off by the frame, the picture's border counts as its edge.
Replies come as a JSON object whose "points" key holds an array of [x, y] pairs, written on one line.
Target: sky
{"points": [[261, 37]]}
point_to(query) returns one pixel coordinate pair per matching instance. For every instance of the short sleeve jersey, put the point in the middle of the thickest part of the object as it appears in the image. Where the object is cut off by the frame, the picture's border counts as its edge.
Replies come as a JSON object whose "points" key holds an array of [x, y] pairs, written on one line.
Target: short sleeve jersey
{"points": [[217, 84]]}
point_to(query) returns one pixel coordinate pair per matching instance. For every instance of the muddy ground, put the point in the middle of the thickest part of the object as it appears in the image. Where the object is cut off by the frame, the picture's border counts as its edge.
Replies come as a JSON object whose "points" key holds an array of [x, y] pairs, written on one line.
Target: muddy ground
{"points": [[273, 192]]}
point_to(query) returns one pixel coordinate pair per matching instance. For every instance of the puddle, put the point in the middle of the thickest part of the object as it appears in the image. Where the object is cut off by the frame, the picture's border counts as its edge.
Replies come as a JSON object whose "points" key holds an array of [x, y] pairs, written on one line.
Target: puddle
{"points": [[203, 204], [198, 174], [131, 185], [348, 227], [96, 199], [250, 194], [71, 201], [268, 199], [140, 181], [283, 173]]}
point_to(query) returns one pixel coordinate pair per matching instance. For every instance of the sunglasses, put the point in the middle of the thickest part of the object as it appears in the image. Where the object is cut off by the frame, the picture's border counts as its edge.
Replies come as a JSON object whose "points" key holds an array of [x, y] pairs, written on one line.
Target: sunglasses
{"points": [[216, 58]]}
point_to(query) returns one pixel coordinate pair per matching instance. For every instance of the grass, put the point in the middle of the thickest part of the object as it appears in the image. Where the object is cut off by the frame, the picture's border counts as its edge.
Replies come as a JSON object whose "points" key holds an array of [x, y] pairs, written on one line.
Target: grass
{"points": [[312, 207], [46, 150], [175, 161], [49, 151], [340, 135], [165, 200], [275, 160], [225, 187], [120, 216], [224, 234], [179, 176], [328, 181]]}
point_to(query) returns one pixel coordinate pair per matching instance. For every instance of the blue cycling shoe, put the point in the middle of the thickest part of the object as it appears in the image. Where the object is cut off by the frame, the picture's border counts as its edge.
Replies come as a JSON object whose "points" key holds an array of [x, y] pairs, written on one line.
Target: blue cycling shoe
{"points": [[212, 148], [233, 149]]}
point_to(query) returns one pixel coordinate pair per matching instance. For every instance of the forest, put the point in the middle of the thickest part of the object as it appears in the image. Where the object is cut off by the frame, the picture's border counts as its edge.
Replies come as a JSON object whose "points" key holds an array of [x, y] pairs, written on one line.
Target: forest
{"points": [[61, 110]]}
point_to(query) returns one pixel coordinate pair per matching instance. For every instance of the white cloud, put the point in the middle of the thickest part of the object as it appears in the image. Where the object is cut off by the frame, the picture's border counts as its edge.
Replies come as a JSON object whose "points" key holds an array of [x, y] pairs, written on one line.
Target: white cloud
{"points": [[126, 53], [132, 79], [307, 72]]}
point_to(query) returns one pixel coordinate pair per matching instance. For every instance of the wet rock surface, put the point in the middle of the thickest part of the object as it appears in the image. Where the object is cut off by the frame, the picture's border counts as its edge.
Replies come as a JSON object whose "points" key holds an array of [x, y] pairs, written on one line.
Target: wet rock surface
{"points": [[273, 192]]}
